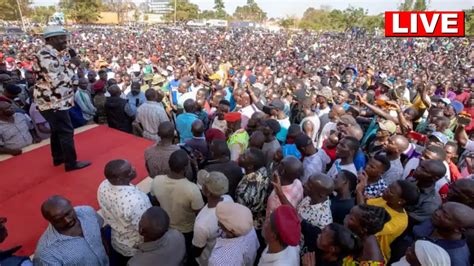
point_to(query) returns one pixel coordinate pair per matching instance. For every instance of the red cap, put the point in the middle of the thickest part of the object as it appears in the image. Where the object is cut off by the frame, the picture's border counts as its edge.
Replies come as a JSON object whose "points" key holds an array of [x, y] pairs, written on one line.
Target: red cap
{"points": [[287, 225], [214, 134], [1, 56], [99, 85], [10, 60], [232, 117]]}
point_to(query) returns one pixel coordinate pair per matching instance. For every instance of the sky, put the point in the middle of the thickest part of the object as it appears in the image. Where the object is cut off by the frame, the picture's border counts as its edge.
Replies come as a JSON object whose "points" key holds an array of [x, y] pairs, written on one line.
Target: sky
{"points": [[284, 8]]}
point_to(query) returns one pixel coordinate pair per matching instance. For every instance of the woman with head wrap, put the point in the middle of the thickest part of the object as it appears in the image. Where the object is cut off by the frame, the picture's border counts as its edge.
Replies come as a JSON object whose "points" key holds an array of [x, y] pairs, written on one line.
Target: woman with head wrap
{"points": [[424, 253]]}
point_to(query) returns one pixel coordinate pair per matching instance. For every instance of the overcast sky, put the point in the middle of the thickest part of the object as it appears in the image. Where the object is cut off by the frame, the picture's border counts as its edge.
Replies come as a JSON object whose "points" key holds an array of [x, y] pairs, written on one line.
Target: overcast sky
{"points": [[283, 8]]}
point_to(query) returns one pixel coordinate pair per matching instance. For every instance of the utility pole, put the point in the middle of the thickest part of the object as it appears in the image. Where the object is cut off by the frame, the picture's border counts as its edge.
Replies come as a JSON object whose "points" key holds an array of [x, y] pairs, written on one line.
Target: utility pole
{"points": [[21, 15], [175, 4]]}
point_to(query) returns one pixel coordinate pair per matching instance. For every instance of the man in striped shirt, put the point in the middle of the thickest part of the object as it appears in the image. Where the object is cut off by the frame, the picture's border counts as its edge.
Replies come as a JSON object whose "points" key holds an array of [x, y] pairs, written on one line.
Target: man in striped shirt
{"points": [[73, 236], [151, 114]]}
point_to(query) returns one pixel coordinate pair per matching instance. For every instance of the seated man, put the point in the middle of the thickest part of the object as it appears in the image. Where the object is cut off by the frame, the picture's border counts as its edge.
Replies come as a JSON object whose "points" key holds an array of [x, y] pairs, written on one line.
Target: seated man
{"points": [[8, 256], [73, 236], [42, 128], [16, 130], [118, 111], [160, 241], [12, 94]]}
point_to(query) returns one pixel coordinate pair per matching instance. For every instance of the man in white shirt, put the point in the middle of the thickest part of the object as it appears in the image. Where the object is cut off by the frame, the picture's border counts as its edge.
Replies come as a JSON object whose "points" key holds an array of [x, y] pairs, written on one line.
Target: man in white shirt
{"points": [[315, 161], [151, 114], [206, 229], [282, 232], [122, 206], [345, 152]]}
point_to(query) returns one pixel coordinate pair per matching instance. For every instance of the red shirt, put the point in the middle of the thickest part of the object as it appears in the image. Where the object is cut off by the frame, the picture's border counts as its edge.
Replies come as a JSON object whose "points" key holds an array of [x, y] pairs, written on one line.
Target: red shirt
{"points": [[470, 110], [455, 174], [330, 152], [463, 97]]}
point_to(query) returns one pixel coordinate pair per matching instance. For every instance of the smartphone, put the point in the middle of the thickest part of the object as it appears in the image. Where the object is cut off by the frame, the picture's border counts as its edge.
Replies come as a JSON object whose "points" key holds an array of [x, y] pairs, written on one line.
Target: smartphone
{"points": [[417, 136]]}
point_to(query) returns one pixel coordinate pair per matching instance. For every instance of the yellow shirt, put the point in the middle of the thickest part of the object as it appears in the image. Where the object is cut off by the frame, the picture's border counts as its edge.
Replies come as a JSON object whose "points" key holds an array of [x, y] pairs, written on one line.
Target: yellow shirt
{"points": [[418, 104], [392, 229]]}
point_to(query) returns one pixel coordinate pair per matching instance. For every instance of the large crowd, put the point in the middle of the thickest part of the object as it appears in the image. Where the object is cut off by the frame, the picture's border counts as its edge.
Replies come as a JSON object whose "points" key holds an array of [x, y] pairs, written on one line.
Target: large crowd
{"points": [[271, 148]]}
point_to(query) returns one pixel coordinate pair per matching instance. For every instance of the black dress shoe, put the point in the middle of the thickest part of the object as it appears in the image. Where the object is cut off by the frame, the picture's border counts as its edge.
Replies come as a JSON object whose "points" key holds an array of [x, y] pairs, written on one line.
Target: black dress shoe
{"points": [[57, 163], [77, 165]]}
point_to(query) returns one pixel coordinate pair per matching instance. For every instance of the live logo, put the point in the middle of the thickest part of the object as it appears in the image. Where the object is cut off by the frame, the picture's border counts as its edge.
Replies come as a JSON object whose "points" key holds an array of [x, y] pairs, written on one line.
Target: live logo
{"points": [[424, 24]]}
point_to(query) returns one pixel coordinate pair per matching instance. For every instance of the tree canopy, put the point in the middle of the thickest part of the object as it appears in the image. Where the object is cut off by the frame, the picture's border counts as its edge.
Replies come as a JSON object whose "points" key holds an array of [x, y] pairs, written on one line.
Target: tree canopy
{"points": [[251, 12], [9, 9], [469, 18], [81, 11], [413, 5], [41, 14], [337, 20], [185, 11], [219, 9]]}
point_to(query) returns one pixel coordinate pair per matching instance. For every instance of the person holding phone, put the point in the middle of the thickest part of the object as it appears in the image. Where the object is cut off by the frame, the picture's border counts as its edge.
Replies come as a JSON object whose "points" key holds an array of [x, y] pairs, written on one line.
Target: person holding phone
{"points": [[54, 95]]}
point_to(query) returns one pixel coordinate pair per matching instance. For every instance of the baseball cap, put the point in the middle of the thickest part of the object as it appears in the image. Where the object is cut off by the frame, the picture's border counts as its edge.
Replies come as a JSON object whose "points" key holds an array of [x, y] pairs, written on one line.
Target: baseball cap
{"points": [[440, 137], [325, 92], [215, 182], [278, 104], [388, 125]]}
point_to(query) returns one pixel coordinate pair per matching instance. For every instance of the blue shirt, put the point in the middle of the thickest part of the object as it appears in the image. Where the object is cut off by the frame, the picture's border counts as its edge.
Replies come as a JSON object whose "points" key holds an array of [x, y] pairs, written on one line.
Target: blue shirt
{"points": [[457, 249], [183, 125], [135, 101], [173, 89], [56, 249], [359, 160], [290, 149]]}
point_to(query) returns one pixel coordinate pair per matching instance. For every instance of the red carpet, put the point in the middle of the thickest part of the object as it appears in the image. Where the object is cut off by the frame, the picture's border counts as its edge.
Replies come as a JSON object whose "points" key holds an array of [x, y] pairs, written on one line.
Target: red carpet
{"points": [[29, 179]]}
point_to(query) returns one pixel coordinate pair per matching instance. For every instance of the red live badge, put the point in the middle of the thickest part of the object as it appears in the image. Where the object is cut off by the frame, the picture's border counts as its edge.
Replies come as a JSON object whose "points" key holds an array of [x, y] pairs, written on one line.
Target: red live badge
{"points": [[424, 24]]}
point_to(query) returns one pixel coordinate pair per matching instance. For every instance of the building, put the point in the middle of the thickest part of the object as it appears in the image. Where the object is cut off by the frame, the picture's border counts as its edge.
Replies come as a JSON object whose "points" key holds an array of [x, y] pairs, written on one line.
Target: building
{"points": [[159, 6]]}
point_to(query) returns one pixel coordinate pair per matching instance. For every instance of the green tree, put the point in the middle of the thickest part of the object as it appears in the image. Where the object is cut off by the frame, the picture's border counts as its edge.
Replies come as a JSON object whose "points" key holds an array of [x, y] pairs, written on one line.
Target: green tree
{"points": [[136, 15], [353, 17], [316, 19], [469, 18], [219, 8], [9, 9], [185, 11], [41, 14], [207, 14], [81, 11], [406, 5], [251, 12], [287, 22], [420, 5], [414, 5], [373, 22]]}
